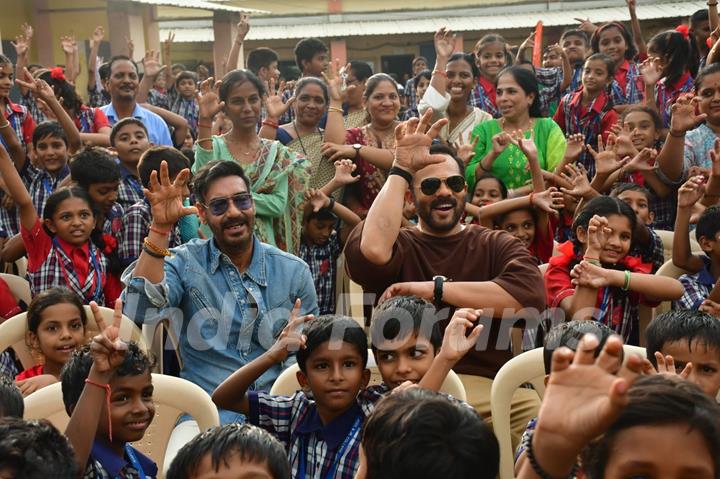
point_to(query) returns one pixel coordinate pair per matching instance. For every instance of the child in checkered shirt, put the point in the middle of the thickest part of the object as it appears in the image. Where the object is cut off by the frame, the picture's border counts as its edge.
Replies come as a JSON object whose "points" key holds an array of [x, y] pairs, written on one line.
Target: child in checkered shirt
{"points": [[321, 243], [129, 140]]}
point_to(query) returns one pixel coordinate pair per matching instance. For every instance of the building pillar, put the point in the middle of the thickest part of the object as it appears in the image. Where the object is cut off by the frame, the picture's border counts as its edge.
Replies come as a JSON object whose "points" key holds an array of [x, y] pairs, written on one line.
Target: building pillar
{"points": [[152, 30], [126, 22], [459, 47], [334, 6], [43, 34], [223, 37], [338, 51]]}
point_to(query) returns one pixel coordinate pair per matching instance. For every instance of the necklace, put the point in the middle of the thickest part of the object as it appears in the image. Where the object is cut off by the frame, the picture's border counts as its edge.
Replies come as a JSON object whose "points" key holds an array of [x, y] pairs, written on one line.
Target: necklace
{"points": [[252, 149], [299, 137], [530, 125]]}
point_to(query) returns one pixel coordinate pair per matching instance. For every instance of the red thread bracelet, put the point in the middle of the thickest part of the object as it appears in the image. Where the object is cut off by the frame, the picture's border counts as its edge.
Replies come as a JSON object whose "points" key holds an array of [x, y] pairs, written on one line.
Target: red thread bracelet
{"points": [[108, 391], [159, 231], [205, 125], [441, 73]]}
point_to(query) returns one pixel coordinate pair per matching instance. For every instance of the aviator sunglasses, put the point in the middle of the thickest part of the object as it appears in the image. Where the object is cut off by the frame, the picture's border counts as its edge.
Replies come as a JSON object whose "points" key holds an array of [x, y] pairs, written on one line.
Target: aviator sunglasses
{"points": [[429, 186], [218, 206]]}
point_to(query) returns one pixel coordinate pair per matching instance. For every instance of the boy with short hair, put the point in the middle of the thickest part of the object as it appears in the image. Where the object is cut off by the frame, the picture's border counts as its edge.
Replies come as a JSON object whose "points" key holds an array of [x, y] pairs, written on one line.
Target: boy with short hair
{"points": [[11, 400], [690, 338], [311, 57], [420, 434], [183, 99], [129, 140], [576, 45], [263, 62], [702, 289], [410, 91], [107, 390], [34, 450], [230, 449], [138, 217]]}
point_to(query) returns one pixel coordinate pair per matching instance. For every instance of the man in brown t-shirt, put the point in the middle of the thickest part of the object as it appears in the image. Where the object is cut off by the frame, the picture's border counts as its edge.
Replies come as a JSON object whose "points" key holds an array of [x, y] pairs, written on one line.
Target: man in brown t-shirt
{"points": [[485, 269]]}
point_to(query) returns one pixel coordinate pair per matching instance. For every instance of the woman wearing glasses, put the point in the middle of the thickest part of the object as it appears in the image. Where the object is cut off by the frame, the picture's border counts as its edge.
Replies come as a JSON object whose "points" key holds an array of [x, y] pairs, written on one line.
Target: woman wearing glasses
{"points": [[517, 99], [278, 176]]}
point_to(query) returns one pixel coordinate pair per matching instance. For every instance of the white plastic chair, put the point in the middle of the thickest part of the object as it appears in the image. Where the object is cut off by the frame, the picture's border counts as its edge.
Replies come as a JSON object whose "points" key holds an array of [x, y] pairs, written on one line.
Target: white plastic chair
{"points": [[529, 367], [172, 396], [20, 287]]}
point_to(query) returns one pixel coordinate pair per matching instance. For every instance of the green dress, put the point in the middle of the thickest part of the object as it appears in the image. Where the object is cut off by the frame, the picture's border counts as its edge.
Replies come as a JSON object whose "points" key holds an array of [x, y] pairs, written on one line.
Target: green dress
{"points": [[278, 179], [512, 165]]}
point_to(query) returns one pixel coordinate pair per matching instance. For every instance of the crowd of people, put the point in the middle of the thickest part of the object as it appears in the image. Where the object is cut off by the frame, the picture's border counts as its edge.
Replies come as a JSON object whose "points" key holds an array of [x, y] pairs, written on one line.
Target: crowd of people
{"points": [[489, 206]]}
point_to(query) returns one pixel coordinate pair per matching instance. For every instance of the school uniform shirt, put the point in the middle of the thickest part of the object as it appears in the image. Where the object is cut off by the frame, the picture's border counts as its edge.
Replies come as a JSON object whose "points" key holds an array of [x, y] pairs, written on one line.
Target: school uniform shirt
{"points": [[484, 96], [653, 253], [53, 262], [113, 221], [104, 463], [90, 120], [134, 230], [21, 121], [666, 95], [323, 451], [549, 82], [158, 131], [411, 94], [322, 260], [542, 246], [41, 184], [628, 87], [576, 80], [591, 121], [98, 97], [31, 373], [130, 190], [697, 287]]}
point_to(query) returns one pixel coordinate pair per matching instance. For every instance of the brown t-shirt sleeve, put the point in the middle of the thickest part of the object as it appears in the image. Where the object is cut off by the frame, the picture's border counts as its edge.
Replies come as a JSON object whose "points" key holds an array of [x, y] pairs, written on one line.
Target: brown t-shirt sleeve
{"points": [[517, 272], [370, 276]]}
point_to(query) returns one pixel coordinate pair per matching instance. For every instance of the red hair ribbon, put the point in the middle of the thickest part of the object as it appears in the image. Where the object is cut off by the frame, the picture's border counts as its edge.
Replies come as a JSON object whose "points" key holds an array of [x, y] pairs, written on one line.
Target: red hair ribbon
{"points": [[684, 29], [57, 74]]}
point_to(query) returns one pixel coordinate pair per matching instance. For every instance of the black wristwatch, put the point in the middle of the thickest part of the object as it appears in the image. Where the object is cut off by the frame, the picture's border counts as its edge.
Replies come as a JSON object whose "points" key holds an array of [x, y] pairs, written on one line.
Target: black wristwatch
{"points": [[438, 290]]}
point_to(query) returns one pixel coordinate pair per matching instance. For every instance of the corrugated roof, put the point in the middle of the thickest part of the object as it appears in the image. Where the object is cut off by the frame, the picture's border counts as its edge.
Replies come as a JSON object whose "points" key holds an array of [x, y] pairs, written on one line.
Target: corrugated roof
{"points": [[326, 26], [198, 5]]}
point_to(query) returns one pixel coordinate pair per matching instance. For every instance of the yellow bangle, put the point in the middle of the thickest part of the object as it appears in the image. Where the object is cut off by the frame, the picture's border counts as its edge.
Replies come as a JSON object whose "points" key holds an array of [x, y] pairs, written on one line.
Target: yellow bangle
{"points": [[156, 249], [336, 110]]}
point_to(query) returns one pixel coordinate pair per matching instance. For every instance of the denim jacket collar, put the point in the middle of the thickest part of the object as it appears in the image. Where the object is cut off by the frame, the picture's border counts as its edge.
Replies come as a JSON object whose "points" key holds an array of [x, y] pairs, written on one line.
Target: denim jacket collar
{"points": [[256, 271]]}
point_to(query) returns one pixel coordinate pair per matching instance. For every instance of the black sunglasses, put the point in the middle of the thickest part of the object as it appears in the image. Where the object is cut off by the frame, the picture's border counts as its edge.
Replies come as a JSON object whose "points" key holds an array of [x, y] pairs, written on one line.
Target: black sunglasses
{"points": [[429, 186], [218, 206]]}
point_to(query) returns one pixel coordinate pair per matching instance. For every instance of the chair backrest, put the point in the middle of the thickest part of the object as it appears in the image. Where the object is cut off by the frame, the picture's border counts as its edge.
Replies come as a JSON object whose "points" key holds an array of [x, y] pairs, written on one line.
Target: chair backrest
{"points": [[528, 367], [20, 287], [667, 239], [13, 332], [172, 396], [286, 384], [672, 271]]}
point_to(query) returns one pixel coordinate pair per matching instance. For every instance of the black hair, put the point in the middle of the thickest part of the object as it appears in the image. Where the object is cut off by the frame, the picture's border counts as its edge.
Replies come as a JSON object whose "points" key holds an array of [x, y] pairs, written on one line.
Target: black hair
{"points": [[235, 77], [701, 15], [189, 154], [675, 51], [64, 91], [305, 81], [602, 206], [423, 74], [708, 224], [76, 370], [306, 49], [695, 49], [104, 71], [361, 70], [696, 327], [424, 435], [212, 171], [120, 58], [152, 158], [621, 188], [131, 120], [375, 80], [51, 129], [323, 214], [528, 82], [443, 149], [185, 75], [569, 335], [4, 60], [419, 58], [11, 400], [181, 66], [659, 401], [489, 39], [708, 70], [93, 165], [325, 328], [62, 194], [250, 443], [50, 297], [34, 449], [503, 186], [574, 32], [261, 57], [631, 51], [467, 58], [657, 121], [390, 317], [609, 63]]}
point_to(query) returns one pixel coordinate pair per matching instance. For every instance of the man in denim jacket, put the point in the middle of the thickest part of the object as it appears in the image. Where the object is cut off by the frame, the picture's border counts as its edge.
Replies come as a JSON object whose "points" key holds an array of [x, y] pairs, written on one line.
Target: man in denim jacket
{"points": [[227, 297]]}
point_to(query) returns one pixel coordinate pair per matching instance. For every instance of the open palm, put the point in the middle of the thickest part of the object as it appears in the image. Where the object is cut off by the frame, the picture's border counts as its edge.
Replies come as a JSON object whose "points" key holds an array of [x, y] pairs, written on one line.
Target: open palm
{"points": [[166, 198]]}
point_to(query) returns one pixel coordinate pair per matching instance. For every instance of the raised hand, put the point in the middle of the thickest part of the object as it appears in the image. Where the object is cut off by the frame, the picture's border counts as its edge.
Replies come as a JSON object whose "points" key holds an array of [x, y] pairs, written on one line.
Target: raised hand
{"points": [[576, 176], [274, 104], [167, 45], [575, 146], [334, 81], [21, 45], [584, 396], [66, 42], [291, 338], [166, 198], [683, 114], [317, 199], [715, 159], [208, 98], [27, 31], [344, 170], [586, 25], [444, 41], [651, 71], [466, 151], [106, 348], [549, 201], [152, 65], [39, 88], [589, 275], [130, 47], [526, 145], [413, 140], [606, 158], [98, 35], [666, 366], [643, 161], [598, 233], [691, 192], [456, 340], [243, 27]]}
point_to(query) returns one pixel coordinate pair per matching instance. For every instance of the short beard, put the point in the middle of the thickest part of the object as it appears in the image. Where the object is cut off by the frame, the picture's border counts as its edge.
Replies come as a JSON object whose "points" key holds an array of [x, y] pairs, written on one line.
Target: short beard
{"points": [[426, 216]]}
